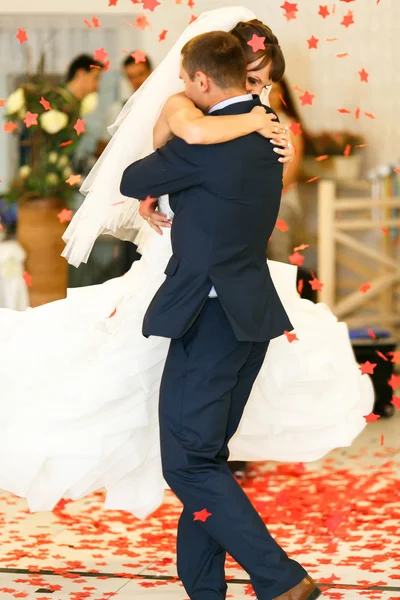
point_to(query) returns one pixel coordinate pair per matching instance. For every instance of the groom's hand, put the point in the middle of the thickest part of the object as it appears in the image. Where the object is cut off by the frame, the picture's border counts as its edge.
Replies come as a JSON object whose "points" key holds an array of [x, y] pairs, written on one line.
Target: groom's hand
{"points": [[148, 210]]}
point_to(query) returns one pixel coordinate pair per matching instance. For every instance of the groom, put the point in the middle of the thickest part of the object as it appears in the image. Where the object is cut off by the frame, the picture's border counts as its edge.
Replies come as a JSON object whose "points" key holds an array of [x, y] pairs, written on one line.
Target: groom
{"points": [[220, 308]]}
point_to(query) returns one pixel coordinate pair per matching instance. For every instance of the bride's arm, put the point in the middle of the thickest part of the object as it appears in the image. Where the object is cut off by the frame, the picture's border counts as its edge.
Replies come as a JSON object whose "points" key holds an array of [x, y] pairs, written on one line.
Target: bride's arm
{"points": [[182, 118]]}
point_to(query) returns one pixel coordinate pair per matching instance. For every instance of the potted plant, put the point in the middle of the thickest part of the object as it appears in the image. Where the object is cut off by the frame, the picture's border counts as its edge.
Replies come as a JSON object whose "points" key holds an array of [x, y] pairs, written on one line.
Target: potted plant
{"points": [[45, 118], [343, 160]]}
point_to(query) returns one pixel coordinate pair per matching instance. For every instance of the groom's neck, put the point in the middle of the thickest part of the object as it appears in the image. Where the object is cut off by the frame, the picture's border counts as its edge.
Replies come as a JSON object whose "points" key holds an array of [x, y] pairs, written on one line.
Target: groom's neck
{"points": [[221, 95]]}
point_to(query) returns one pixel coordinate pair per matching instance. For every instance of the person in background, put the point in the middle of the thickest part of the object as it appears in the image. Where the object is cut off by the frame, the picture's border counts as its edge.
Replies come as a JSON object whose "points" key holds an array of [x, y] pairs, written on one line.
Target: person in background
{"points": [[282, 243], [136, 74]]}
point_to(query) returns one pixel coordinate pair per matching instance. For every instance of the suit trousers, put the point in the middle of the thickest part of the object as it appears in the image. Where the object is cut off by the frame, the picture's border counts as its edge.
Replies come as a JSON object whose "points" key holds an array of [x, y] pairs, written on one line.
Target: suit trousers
{"points": [[207, 381]]}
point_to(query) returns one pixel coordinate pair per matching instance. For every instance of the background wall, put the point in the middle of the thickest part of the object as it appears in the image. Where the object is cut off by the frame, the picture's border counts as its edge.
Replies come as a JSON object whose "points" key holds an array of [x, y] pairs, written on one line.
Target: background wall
{"points": [[372, 43]]}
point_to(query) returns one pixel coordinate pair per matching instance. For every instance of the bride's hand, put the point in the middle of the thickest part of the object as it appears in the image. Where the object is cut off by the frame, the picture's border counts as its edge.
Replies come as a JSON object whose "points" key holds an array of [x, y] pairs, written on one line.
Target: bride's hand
{"points": [[276, 132], [148, 211]]}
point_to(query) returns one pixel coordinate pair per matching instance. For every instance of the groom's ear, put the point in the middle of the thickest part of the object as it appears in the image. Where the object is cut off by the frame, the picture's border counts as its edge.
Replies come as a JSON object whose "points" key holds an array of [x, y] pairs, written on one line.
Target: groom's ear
{"points": [[203, 81]]}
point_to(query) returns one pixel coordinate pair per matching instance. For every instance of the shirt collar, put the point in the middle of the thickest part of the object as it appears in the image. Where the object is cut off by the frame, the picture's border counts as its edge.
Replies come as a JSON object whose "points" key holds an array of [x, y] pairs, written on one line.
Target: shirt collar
{"points": [[229, 101]]}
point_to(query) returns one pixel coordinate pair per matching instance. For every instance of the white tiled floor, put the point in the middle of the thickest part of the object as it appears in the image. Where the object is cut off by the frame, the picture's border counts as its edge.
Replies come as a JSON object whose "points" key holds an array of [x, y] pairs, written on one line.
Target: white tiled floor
{"points": [[131, 553]]}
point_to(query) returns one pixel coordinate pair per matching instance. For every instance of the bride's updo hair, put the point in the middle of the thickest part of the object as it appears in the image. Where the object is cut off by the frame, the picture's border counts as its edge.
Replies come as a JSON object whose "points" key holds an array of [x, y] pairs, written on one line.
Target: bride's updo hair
{"points": [[272, 53]]}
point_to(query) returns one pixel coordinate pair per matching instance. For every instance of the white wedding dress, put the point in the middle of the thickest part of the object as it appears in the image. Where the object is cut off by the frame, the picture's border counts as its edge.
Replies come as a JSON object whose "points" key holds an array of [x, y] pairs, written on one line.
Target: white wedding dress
{"points": [[79, 383], [79, 390]]}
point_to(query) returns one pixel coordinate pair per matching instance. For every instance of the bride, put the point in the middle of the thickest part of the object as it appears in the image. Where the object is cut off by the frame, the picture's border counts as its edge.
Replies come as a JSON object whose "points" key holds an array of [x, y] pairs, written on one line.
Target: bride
{"points": [[79, 383]]}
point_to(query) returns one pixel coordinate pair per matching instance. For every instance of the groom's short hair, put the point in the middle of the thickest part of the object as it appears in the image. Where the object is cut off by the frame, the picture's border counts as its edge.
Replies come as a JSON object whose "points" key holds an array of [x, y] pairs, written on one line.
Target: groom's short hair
{"points": [[219, 55]]}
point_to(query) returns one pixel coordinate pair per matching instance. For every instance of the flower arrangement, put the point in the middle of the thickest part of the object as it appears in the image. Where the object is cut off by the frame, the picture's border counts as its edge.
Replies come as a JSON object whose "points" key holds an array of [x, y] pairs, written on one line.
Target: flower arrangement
{"points": [[331, 143], [45, 117]]}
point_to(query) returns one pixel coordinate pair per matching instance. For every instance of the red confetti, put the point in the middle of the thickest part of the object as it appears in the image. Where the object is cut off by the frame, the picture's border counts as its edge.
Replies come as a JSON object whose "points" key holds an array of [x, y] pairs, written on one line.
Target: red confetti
{"points": [[302, 247], [313, 179], [394, 381], [295, 128], [291, 337], [322, 157], [306, 98], [281, 225], [347, 150], [96, 22], [142, 23], [382, 439], [203, 515], [300, 286], [163, 35], [348, 19], [80, 126], [46, 105], [65, 144], [21, 36], [363, 75], [100, 55], [395, 357], [324, 11], [367, 368], [150, 4], [289, 7], [191, 4], [370, 115], [372, 334], [139, 56], [371, 418], [297, 259], [312, 43], [112, 2], [396, 401], [114, 312], [193, 18], [316, 285], [347, 1], [357, 113], [9, 127], [28, 279], [257, 42], [365, 287], [382, 356], [31, 119], [74, 180], [344, 111], [65, 215], [2, 102], [342, 55]]}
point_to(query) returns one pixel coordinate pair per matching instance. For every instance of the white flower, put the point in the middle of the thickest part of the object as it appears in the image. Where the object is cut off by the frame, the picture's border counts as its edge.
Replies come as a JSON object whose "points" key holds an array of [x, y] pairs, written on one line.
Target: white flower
{"points": [[67, 172], [52, 121], [16, 101], [24, 171], [89, 104], [64, 161], [52, 157], [52, 179]]}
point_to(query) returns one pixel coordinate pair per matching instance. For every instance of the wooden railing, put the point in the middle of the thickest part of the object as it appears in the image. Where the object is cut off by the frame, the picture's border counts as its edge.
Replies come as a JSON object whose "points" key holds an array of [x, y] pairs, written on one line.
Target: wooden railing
{"points": [[340, 222]]}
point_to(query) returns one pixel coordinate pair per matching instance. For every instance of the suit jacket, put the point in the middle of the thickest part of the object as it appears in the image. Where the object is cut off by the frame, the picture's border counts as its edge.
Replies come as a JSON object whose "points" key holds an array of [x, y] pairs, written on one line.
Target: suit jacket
{"points": [[226, 200]]}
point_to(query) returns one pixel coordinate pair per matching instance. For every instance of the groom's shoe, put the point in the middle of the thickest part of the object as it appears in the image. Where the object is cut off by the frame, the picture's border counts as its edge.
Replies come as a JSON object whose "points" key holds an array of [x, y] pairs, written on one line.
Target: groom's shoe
{"points": [[305, 590]]}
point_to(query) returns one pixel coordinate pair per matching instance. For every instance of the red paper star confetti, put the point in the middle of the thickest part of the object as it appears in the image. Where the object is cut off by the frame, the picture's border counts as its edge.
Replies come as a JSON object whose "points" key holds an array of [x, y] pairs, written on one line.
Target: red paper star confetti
{"points": [[348, 19], [139, 56], [163, 35], [31, 119], [63, 144], [302, 247], [372, 334], [348, 1], [74, 180], [257, 42], [395, 357], [290, 10], [28, 279], [367, 368], [363, 75], [2, 102], [312, 43], [371, 418], [9, 127], [80, 126], [291, 337], [150, 4], [394, 381], [45, 103], [203, 515], [370, 115], [347, 150], [21, 36], [65, 215], [142, 22], [357, 113], [96, 22], [365, 287], [396, 401], [307, 98], [296, 259], [316, 285], [344, 111], [114, 312], [324, 11], [295, 128], [193, 18], [100, 55], [281, 225], [322, 157], [112, 2], [191, 4]]}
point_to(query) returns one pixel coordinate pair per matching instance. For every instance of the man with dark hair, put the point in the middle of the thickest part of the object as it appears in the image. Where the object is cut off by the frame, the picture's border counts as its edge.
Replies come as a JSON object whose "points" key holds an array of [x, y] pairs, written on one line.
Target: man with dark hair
{"points": [[219, 307], [83, 76], [136, 72]]}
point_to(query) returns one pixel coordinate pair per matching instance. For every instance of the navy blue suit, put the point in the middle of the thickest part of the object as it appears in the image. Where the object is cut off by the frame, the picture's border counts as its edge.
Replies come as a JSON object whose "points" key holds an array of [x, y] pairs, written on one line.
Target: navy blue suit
{"points": [[226, 200]]}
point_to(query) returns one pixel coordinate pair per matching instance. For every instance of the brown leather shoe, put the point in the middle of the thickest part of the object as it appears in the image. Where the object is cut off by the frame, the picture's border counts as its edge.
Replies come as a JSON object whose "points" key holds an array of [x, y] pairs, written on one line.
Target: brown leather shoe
{"points": [[305, 590]]}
